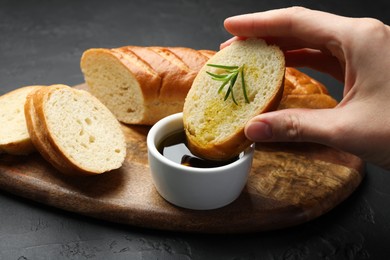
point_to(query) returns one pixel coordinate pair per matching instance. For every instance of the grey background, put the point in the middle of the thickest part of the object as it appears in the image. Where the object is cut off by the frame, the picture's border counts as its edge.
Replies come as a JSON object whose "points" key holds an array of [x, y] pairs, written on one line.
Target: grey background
{"points": [[41, 42]]}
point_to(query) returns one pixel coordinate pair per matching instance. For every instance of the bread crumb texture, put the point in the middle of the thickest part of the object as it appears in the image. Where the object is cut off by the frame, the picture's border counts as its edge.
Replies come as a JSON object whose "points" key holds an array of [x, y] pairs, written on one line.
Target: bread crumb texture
{"points": [[208, 118], [13, 128], [113, 83], [84, 130]]}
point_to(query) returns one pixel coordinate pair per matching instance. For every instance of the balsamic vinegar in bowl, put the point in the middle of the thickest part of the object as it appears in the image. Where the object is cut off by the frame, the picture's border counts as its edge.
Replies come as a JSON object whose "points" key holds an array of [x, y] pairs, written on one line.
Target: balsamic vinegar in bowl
{"points": [[192, 187], [174, 147]]}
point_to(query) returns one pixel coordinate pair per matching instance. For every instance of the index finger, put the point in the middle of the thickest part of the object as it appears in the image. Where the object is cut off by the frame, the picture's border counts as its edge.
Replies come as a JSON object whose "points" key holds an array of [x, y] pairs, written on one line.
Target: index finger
{"points": [[291, 28]]}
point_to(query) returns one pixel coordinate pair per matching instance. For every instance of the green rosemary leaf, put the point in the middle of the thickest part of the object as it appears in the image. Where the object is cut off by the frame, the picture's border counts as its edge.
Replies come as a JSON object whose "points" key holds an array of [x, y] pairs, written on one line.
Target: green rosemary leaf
{"points": [[223, 66], [218, 76], [222, 86], [232, 82], [229, 76], [227, 93], [243, 84], [220, 79]]}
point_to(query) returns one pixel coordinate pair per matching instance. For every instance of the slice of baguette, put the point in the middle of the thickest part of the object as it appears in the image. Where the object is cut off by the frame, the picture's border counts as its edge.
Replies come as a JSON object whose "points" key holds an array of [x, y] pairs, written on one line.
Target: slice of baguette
{"points": [[39, 137], [141, 85], [14, 137], [74, 131], [214, 127]]}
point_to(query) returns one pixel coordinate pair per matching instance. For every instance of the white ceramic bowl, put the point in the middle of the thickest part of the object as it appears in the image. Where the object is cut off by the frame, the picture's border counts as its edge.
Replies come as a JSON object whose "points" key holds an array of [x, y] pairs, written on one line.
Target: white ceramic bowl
{"points": [[190, 187]]}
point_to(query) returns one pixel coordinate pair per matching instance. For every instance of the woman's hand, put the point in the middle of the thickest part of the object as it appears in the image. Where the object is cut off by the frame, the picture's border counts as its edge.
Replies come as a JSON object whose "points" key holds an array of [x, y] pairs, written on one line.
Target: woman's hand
{"points": [[353, 50]]}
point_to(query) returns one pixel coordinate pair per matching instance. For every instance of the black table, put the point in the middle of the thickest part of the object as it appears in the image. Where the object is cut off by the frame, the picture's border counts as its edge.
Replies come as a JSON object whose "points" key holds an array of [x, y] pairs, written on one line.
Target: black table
{"points": [[41, 42]]}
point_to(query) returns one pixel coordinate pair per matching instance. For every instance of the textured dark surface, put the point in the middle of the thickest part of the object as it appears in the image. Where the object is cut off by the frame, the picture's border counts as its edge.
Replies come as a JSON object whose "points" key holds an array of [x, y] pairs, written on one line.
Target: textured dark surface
{"points": [[41, 43]]}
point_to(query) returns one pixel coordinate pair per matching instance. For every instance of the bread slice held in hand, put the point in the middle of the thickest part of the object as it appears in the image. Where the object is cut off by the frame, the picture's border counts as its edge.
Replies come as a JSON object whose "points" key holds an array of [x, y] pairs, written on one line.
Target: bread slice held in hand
{"points": [[214, 118], [74, 131], [14, 137]]}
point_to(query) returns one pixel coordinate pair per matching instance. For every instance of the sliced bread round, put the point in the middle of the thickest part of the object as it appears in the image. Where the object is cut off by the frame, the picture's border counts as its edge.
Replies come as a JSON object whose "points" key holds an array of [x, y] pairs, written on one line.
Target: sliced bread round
{"points": [[74, 131], [39, 136], [214, 125], [14, 137]]}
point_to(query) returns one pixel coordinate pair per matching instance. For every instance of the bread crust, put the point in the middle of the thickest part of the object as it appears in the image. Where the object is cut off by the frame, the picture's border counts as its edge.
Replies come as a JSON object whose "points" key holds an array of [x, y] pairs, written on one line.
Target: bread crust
{"points": [[23, 145], [20, 147], [176, 76], [193, 59], [38, 133], [208, 53], [164, 76], [145, 75], [302, 91]]}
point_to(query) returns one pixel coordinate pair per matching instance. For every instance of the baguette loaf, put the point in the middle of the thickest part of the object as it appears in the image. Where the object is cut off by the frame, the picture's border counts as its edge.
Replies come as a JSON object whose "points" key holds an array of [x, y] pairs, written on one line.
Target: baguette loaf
{"points": [[74, 131], [215, 127], [14, 137], [302, 91], [141, 85]]}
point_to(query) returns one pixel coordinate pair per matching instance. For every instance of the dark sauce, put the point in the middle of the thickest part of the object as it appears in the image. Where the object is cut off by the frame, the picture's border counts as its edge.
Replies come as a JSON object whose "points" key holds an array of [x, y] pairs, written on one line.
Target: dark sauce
{"points": [[174, 147]]}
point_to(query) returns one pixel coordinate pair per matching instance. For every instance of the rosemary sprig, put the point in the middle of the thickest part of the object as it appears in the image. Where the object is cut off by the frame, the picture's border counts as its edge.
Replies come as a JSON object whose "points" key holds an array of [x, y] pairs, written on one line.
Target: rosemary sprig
{"points": [[229, 77]]}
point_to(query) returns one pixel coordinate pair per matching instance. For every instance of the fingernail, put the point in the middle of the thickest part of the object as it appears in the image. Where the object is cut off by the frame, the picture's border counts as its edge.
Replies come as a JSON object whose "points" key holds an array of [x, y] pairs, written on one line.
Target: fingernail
{"points": [[258, 131], [235, 17], [228, 42]]}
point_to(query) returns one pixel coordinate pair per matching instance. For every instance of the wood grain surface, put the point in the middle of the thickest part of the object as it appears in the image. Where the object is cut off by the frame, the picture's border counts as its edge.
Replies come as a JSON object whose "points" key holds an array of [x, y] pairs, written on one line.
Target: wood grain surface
{"points": [[289, 184]]}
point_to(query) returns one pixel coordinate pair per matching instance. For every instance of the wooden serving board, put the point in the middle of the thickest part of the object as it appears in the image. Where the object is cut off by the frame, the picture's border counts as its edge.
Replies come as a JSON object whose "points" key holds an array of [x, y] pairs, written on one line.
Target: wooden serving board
{"points": [[289, 184]]}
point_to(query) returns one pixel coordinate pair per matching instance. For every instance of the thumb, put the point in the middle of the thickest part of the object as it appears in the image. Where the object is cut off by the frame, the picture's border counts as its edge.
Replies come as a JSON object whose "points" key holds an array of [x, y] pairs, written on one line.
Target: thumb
{"points": [[293, 125]]}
